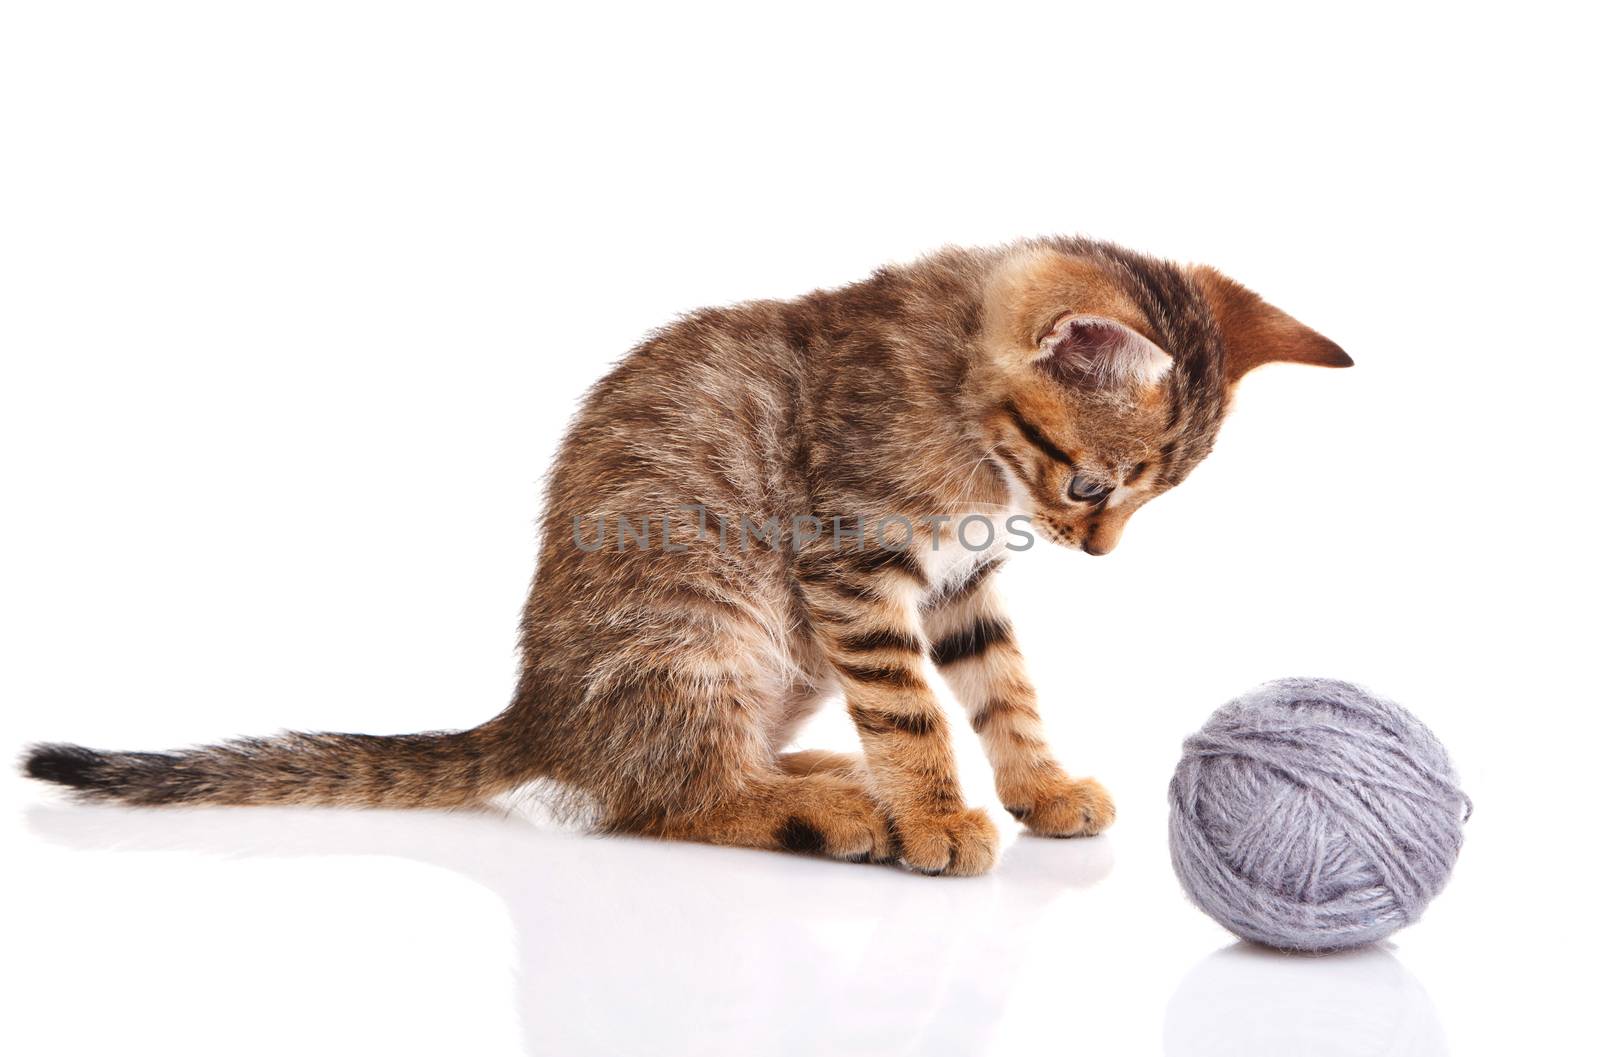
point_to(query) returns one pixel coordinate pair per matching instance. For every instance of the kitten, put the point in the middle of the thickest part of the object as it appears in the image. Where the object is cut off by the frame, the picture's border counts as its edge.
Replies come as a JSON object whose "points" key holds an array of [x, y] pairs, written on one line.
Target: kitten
{"points": [[767, 504]]}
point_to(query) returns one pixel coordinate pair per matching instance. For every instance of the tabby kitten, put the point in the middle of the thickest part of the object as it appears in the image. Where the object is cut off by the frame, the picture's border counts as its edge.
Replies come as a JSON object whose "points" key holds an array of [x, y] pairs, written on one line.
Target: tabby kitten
{"points": [[669, 659]]}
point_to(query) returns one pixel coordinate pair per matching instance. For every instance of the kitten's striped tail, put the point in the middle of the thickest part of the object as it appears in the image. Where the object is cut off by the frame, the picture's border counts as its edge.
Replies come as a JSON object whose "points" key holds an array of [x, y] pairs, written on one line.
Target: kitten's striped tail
{"points": [[435, 770]]}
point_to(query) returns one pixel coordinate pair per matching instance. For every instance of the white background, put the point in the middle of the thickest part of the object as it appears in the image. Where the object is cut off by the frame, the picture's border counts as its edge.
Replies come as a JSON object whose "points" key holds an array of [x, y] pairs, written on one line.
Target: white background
{"points": [[296, 299]]}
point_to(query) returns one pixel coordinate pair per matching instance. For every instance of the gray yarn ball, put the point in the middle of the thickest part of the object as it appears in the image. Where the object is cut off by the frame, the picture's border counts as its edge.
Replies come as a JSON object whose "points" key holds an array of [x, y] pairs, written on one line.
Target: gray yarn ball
{"points": [[1311, 815]]}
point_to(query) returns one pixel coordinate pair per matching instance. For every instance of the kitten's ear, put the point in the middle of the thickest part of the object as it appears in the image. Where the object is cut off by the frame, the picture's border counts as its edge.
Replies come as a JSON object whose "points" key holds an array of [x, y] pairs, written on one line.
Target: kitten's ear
{"points": [[1100, 352], [1254, 332]]}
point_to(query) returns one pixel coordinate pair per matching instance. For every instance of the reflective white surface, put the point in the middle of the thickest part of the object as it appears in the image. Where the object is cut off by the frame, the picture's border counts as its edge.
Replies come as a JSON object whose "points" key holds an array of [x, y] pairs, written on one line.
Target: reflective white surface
{"points": [[321, 929], [626, 945], [1245, 999]]}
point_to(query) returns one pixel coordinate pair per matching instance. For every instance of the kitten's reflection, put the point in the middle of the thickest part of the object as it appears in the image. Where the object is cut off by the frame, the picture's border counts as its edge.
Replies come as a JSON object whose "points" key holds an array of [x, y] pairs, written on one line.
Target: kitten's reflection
{"points": [[1244, 1000], [627, 946]]}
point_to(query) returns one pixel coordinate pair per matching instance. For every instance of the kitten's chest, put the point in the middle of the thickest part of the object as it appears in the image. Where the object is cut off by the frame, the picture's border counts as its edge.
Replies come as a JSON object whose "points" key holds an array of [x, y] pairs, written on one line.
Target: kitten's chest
{"points": [[962, 544]]}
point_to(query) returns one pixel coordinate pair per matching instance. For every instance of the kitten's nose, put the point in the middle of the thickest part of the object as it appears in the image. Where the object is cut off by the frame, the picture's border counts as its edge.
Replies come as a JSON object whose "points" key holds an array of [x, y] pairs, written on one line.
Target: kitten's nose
{"points": [[1101, 535]]}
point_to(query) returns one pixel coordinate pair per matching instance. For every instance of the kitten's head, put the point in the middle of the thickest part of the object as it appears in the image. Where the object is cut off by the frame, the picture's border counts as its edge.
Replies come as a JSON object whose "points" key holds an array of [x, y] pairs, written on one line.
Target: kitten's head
{"points": [[1112, 373]]}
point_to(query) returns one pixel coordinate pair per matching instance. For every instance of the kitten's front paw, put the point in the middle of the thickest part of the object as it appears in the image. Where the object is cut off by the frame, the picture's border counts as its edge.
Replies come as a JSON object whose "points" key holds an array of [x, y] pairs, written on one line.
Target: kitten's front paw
{"points": [[1065, 807], [961, 844]]}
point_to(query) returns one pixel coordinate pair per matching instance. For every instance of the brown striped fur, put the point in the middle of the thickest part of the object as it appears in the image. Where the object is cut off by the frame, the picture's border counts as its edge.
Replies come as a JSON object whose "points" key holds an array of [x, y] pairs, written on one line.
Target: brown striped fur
{"points": [[661, 687]]}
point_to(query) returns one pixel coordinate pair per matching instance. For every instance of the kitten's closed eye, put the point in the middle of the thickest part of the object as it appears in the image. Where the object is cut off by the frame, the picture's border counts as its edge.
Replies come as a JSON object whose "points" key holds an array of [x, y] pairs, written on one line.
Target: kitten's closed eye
{"points": [[1087, 489]]}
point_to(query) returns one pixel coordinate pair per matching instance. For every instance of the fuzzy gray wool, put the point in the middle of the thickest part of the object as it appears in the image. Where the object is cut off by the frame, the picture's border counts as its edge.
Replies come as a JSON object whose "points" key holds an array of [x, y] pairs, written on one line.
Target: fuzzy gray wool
{"points": [[1312, 815]]}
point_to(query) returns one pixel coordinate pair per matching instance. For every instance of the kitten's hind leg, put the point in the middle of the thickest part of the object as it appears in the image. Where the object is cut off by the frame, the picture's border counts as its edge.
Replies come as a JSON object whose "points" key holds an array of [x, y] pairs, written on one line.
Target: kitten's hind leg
{"points": [[675, 749], [823, 812]]}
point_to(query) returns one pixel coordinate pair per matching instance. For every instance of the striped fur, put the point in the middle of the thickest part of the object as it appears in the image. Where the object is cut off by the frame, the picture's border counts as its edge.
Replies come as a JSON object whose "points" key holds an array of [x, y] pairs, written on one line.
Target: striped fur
{"points": [[661, 687], [979, 659]]}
